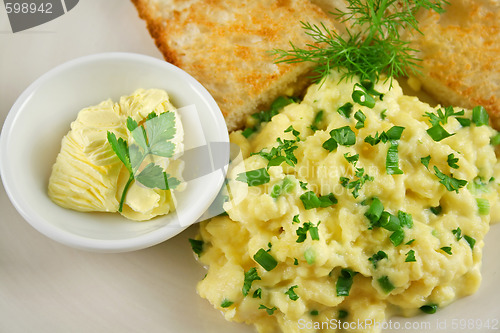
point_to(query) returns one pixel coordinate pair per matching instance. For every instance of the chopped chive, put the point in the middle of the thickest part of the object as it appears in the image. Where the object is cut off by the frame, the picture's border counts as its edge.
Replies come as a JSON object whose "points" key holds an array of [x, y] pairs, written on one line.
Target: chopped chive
{"points": [[438, 133], [465, 122], [344, 282], [266, 260], [363, 98], [385, 284], [389, 222], [310, 256], [480, 116], [429, 308], [375, 211], [410, 256], [226, 303], [483, 206], [397, 237], [360, 117], [410, 241]]}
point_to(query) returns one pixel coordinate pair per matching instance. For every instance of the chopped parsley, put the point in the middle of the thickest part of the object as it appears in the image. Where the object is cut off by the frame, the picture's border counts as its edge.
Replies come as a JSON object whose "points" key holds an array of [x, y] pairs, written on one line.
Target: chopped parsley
{"points": [[257, 293], [451, 184], [345, 110], [269, 311], [360, 117], [425, 161], [291, 293], [265, 116], [250, 276], [254, 177], [286, 186], [447, 249], [343, 136], [226, 303], [307, 227], [458, 233], [410, 256], [452, 161], [480, 116], [471, 241], [317, 120], [374, 259], [442, 117], [438, 133], [310, 200]]}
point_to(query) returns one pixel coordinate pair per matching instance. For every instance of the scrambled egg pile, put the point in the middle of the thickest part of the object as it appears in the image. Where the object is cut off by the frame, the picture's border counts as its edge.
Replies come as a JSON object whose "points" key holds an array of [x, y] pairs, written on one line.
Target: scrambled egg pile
{"points": [[356, 203], [88, 176]]}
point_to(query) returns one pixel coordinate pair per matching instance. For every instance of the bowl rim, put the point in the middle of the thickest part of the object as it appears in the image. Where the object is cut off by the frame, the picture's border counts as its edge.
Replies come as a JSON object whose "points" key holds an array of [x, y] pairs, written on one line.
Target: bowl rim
{"points": [[78, 241]]}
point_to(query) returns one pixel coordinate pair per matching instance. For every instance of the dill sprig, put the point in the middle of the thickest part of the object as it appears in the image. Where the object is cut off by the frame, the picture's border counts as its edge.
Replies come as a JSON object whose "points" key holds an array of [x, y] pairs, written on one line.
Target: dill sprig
{"points": [[371, 46]]}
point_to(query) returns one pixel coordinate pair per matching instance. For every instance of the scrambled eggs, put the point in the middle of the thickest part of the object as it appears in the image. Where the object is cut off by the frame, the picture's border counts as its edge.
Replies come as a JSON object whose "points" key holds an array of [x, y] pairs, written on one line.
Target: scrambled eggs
{"points": [[88, 175], [356, 203]]}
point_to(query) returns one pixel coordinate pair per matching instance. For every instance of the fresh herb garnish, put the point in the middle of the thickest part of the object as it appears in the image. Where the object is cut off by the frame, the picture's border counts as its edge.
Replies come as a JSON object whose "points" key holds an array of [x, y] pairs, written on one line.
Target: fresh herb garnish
{"points": [[257, 293], [447, 249], [451, 184], [410, 256], [310, 255], [376, 49], [374, 259], [284, 152], [360, 117], [226, 303], [269, 311], [307, 227], [265, 259], [429, 308], [385, 284], [310, 200], [425, 161], [471, 241], [345, 110], [286, 186], [317, 120], [442, 117], [343, 136], [250, 276], [291, 293], [483, 206], [452, 161], [152, 138], [254, 177], [480, 116], [344, 282], [266, 115], [438, 133], [197, 246]]}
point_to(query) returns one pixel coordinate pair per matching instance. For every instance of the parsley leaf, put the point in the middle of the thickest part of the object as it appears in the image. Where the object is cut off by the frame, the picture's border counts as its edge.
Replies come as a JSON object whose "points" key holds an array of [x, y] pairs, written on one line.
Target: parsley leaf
{"points": [[374, 259], [451, 184], [269, 311], [452, 161], [254, 177], [291, 293], [250, 276], [410, 256]]}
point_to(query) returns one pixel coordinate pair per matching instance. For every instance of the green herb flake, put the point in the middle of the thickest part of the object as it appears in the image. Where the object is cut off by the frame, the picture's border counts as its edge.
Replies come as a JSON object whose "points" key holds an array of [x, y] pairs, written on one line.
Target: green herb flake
{"points": [[447, 249], [386, 284], [310, 200], [405, 219], [342, 314], [429, 308], [438, 133], [307, 227], [394, 133], [471, 241], [343, 136], [254, 177], [296, 219], [197, 246], [451, 184], [317, 120], [270, 311], [483, 206], [410, 256], [458, 233], [291, 293], [363, 98], [286, 186], [436, 210], [397, 237], [226, 303], [345, 110], [452, 161], [480, 116], [250, 276], [257, 293], [360, 117], [375, 211], [495, 140], [443, 117], [374, 259], [425, 161], [310, 256], [344, 282], [392, 160], [265, 259], [314, 312]]}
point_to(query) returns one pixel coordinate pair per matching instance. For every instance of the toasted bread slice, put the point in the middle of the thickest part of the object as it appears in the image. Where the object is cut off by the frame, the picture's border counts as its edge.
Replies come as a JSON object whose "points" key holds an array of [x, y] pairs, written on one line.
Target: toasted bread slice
{"points": [[225, 45], [460, 50]]}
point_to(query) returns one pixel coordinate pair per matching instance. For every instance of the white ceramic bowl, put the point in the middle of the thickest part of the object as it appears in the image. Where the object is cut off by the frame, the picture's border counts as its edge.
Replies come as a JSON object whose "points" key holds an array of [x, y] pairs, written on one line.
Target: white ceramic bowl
{"points": [[32, 133]]}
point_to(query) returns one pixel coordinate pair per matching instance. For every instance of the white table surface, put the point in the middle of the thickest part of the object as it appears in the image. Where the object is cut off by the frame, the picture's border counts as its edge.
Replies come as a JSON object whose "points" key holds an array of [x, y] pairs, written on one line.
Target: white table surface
{"points": [[48, 287]]}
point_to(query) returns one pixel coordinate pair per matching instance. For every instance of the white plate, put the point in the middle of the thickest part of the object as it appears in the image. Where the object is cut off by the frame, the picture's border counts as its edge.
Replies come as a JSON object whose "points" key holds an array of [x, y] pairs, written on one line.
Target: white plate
{"points": [[41, 116]]}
